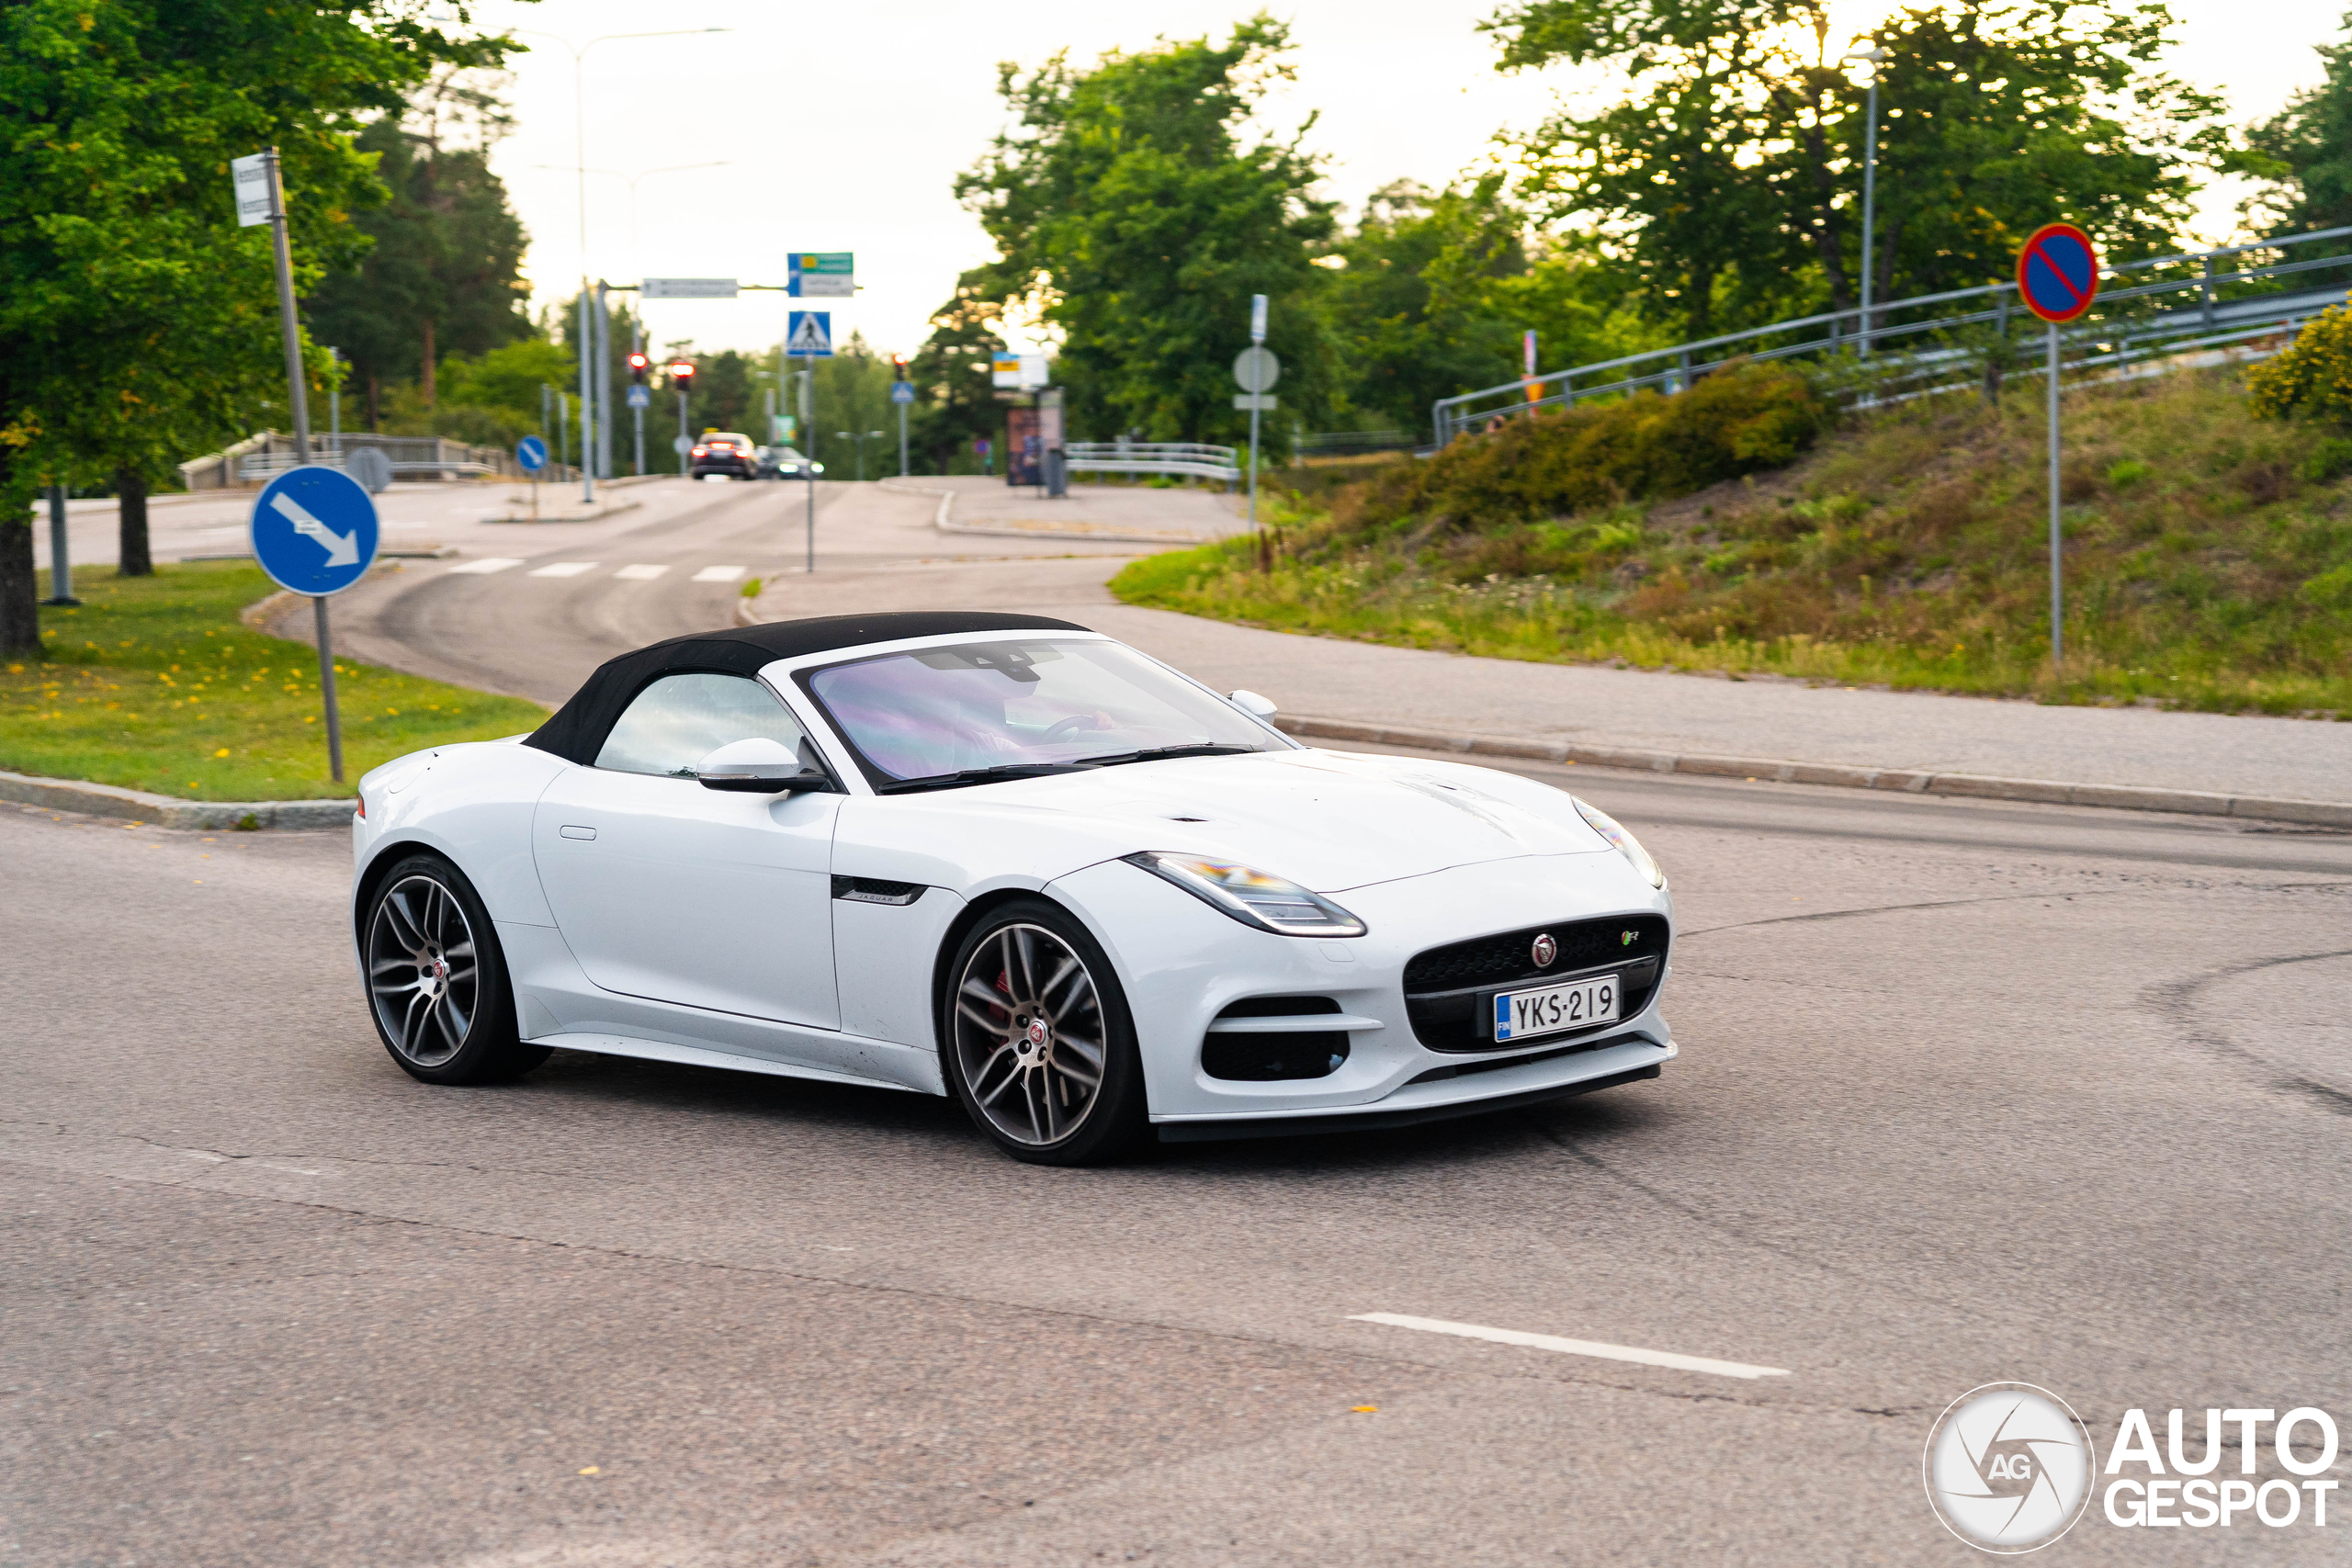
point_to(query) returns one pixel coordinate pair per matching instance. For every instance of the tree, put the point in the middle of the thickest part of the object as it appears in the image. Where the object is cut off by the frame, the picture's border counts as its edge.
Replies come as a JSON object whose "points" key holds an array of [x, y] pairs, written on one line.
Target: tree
{"points": [[1729, 182], [2309, 147], [1411, 303], [138, 322], [1128, 208], [444, 273], [954, 392]]}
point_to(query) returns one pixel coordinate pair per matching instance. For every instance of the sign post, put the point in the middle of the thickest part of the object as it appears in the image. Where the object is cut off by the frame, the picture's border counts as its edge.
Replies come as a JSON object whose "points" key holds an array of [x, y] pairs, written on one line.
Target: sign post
{"points": [[261, 198], [531, 453], [1256, 370], [2057, 280], [809, 334], [902, 393], [314, 530]]}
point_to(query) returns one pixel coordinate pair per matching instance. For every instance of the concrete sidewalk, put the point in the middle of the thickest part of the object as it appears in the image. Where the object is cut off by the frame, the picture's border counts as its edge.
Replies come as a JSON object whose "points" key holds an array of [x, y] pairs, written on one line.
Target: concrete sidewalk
{"points": [[1136, 513]]}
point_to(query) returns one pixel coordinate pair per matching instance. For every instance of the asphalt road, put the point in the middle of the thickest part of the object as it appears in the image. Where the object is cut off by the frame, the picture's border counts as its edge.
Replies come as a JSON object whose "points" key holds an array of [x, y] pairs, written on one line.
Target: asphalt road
{"points": [[1969, 1092]]}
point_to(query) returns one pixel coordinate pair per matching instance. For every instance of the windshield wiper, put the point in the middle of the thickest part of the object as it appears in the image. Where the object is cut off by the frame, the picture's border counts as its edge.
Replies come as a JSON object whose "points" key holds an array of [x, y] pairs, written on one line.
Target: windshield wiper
{"points": [[1154, 753], [975, 775]]}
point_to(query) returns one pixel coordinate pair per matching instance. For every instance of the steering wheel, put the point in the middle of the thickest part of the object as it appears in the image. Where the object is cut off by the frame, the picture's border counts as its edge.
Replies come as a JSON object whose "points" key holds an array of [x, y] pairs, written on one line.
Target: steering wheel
{"points": [[1075, 721]]}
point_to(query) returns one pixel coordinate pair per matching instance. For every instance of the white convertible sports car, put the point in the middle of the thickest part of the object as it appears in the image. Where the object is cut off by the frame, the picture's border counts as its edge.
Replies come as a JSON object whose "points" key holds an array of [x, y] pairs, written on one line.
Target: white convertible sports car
{"points": [[1006, 858]]}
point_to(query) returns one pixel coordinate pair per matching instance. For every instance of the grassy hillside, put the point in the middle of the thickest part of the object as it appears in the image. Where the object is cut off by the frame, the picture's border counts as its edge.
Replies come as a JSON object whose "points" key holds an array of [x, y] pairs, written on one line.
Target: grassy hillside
{"points": [[155, 684], [2209, 556]]}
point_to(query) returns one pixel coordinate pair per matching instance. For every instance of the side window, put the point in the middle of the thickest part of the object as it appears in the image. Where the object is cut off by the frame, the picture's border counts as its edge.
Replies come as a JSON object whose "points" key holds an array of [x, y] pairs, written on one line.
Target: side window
{"points": [[677, 721]]}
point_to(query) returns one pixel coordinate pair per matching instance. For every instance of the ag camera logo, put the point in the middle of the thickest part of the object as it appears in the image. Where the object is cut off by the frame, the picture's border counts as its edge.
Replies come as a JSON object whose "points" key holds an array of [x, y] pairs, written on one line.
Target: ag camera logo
{"points": [[2009, 1467]]}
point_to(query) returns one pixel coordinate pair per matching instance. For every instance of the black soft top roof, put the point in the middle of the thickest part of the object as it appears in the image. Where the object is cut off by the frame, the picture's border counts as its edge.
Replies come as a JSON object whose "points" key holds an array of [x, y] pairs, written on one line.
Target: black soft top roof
{"points": [[576, 731]]}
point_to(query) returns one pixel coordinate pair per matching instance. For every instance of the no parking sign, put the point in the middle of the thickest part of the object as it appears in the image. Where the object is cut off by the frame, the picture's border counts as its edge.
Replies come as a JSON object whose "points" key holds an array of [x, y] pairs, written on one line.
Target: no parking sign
{"points": [[2058, 272], [2057, 280]]}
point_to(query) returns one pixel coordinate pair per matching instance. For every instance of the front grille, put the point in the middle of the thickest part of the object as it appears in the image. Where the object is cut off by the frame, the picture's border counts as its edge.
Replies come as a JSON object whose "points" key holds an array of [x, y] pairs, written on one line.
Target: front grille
{"points": [[1274, 1057], [1443, 985]]}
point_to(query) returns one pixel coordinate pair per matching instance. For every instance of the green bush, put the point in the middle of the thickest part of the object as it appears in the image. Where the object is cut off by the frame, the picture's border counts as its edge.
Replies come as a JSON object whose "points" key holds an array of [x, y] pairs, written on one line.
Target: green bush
{"points": [[2313, 377], [1642, 447]]}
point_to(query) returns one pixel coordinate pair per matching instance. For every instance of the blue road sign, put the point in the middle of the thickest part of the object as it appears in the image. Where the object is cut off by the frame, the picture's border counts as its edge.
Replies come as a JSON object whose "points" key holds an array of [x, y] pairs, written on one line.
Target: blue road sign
{"points": [[531, 453], [315, 530], [810, 334], [640, 398], [902, 391], [2058, 272]]}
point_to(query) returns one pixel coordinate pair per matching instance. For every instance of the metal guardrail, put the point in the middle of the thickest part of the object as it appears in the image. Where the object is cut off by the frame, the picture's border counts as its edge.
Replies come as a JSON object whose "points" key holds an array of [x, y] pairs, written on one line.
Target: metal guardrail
{"points": [[1353, 442], [265, 453], [1903, 353], [262, 465], [1189, 459]]}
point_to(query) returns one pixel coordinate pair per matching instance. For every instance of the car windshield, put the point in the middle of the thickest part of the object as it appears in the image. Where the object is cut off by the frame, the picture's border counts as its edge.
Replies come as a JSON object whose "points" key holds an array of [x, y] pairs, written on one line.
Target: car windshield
{"points": [[726, 438], [1011, 707]]}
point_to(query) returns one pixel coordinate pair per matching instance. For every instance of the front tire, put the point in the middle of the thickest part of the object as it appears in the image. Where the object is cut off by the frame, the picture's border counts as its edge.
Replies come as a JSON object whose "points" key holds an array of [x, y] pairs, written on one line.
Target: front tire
{"points": [[436, 981], [1037, 1042]]}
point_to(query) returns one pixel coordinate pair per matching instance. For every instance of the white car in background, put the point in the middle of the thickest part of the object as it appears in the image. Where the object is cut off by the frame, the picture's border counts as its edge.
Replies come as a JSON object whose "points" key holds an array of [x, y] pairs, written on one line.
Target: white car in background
{"points": [[1007, 858]]}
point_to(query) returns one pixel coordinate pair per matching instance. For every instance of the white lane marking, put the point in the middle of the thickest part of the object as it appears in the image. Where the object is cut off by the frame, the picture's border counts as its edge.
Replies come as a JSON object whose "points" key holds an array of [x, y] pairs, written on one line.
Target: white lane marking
{"points": [[1572, 1346], [566, 569], [717, 574], [487, 565], [639, 573]]}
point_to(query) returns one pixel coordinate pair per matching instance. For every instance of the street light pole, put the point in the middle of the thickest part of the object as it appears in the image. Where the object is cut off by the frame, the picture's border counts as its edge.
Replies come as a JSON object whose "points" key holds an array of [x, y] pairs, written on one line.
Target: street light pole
{"points": [[587, 339], [1869, 188]]}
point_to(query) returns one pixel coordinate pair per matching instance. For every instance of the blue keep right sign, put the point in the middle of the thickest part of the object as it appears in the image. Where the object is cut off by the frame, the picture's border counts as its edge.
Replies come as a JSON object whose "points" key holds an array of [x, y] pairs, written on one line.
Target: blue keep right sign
{"points": [[2058, 272]]}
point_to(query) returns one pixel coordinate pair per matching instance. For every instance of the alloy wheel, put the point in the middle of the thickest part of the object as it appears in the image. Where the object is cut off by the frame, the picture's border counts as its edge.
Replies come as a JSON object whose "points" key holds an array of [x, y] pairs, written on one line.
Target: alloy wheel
{"points": [[1029, 1034], [423, 972]]}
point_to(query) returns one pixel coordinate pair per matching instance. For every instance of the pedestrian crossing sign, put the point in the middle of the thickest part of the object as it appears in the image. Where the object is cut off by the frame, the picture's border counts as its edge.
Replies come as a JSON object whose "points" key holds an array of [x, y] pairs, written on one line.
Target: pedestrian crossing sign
{"points": [[809, 332]]}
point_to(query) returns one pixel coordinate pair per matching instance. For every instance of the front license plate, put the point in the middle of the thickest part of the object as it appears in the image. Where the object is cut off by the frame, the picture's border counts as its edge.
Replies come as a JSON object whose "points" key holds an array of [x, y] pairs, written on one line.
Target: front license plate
{"points": [[1521, 1015]]}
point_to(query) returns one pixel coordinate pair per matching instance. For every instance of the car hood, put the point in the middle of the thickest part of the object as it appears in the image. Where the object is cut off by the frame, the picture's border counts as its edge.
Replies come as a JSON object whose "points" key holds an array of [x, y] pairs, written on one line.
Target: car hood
{"points": [[1330, 820]]}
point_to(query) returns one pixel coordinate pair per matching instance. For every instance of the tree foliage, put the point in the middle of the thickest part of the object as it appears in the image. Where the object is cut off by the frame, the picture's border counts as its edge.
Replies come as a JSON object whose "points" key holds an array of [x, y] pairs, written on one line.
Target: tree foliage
{"points": [[1729, 181], [2310, 149], [1133, 205], [137, 319], [442, 274]]}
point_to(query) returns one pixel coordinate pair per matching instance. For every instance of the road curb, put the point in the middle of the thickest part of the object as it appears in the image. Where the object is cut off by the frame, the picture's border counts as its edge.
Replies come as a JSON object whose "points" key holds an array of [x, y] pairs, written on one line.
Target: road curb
{"points": [[941, 520], [169, 811], [1978, 786]]}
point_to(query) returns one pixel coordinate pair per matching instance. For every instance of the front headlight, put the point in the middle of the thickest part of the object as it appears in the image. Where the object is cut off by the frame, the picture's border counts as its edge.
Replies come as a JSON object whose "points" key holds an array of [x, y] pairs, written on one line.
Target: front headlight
{"points": [[1250, 896], [1609, 828]]}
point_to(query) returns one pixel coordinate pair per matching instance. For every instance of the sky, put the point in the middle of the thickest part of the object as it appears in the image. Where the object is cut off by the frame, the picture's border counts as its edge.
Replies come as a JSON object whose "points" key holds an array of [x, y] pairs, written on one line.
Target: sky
{"points": [[842, 128]]}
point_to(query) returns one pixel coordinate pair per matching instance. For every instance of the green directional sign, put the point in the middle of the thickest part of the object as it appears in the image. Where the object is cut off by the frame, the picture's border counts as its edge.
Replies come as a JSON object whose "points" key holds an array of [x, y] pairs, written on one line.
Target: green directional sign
{"points": [[817, 274]]}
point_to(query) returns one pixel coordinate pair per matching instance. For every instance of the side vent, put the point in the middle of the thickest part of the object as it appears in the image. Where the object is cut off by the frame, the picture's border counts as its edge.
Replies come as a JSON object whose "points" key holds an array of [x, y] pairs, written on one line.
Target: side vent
{"points": [[874, 890], [1265, 1050]]}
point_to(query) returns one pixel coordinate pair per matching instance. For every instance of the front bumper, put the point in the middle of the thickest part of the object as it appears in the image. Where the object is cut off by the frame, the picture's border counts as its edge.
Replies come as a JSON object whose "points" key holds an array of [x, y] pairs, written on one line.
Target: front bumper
{"points": [[1181, 964]]}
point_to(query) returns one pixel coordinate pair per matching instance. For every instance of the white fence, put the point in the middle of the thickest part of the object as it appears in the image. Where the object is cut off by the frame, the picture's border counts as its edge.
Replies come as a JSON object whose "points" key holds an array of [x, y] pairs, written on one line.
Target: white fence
{"points": [[254, 459], [1186, 459]]}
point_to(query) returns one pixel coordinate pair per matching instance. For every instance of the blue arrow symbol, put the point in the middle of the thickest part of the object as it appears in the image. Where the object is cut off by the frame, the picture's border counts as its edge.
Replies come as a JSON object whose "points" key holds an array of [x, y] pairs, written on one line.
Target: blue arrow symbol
{"points": [[343, 549]]}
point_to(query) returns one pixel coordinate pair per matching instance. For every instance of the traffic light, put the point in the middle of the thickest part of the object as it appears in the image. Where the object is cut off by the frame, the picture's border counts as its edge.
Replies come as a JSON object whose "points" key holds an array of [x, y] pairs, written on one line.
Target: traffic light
{"points": [[682, 376], [898, 367], [638, 365]]}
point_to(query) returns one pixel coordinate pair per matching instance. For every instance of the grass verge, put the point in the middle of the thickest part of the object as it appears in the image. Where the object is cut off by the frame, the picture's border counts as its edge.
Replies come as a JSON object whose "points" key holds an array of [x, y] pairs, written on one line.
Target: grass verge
{"points": [[153, 683], [2209, 561]]}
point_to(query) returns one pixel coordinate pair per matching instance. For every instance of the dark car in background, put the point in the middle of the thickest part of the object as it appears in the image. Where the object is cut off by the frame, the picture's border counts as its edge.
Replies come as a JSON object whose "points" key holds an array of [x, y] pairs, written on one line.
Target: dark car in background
{"points": [[783, 463], [724, 452]]}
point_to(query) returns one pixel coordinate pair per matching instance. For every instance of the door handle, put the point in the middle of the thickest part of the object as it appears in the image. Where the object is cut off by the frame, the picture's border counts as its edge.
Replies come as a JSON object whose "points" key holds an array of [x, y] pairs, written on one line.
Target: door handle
{"points": [[573, 830]]}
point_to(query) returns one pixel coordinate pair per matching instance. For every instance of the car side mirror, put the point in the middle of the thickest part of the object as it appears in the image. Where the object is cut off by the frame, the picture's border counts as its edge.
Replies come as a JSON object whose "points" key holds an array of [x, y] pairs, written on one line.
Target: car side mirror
{"points": [[1252, 704], [762, 766]]}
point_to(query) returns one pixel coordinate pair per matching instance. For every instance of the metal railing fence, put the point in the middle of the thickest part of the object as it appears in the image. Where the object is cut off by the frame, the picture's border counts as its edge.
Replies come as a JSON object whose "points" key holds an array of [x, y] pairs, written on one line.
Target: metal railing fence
{"points": [[1912, 347], [1183, 459], [254, 459]]}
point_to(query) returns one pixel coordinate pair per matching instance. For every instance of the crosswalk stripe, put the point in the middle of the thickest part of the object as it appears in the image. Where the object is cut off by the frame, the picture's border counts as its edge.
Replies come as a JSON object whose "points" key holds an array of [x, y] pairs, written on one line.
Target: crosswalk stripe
{"points": [[485, 565], [640, 573], [718, 574], [566, 569]]}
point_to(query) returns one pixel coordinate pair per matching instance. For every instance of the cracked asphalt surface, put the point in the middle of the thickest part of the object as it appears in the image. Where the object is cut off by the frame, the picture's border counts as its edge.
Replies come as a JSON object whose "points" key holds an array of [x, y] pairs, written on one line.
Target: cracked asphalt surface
{"points": [[1969, 1092]]}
